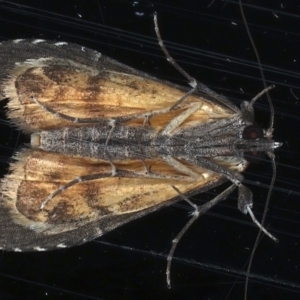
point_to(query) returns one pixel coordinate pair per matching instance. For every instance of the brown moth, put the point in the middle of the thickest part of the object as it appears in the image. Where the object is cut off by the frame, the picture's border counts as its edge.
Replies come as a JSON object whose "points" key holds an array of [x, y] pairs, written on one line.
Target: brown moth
{"points": [[110, 144]]}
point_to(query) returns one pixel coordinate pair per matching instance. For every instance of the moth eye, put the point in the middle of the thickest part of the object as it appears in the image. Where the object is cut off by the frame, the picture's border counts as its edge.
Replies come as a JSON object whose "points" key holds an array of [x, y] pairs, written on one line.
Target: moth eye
{"points": [[253, 132]]}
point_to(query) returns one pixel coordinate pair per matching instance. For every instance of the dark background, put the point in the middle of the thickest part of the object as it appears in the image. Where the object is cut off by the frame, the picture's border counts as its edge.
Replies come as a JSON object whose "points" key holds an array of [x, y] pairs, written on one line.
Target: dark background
{"points": [[208, 39]]}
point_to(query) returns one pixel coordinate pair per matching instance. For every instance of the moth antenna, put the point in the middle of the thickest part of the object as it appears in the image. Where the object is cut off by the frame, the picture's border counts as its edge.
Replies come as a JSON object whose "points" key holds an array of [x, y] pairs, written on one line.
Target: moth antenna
{"points": [[271, 155], [259, 65], [199, 210], [264, 91]]}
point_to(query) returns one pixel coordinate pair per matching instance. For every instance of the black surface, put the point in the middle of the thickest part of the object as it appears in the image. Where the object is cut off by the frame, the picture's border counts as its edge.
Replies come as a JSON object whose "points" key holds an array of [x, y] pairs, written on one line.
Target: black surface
{"points": [[209, 40]]}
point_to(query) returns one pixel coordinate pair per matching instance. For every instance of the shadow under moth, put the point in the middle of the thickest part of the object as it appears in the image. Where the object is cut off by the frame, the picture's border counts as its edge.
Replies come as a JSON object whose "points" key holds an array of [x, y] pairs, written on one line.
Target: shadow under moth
{"points": [[110, 144]]}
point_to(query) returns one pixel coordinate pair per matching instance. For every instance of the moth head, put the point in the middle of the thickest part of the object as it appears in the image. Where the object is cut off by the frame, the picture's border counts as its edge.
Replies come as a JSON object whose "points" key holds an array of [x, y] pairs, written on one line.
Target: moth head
{"points": [[255, 141], [253, 132]]}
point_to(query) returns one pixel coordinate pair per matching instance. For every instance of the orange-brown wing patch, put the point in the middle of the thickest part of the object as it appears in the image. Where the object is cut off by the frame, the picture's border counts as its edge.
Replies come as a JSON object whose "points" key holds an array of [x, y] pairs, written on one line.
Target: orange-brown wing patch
{"points": [[82, 92], [36, 174]]}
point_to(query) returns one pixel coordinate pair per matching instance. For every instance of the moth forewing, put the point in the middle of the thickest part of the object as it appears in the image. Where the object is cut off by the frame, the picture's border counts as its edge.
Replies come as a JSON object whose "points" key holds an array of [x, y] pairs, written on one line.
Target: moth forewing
{"points": [[87, 85]]}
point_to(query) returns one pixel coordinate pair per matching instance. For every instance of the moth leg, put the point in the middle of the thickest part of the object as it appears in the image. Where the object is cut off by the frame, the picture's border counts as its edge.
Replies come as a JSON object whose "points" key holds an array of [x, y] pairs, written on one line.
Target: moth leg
{"points": [[69, 118], [199, 210], [153, 113], [82, 179], [178, 166], [260, 226], [192, 81], [190, 92], [113, 167], [120, 173], [71, 183], [147, 169], [146, 121], [245, 202], [148, 115], [242, 189], [221, 127], [115, 120], [177, 121]]}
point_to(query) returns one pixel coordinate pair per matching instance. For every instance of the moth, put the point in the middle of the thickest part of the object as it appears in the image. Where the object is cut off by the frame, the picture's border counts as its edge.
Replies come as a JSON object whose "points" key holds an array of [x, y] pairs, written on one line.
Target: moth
{"points": [[110, 144]]}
